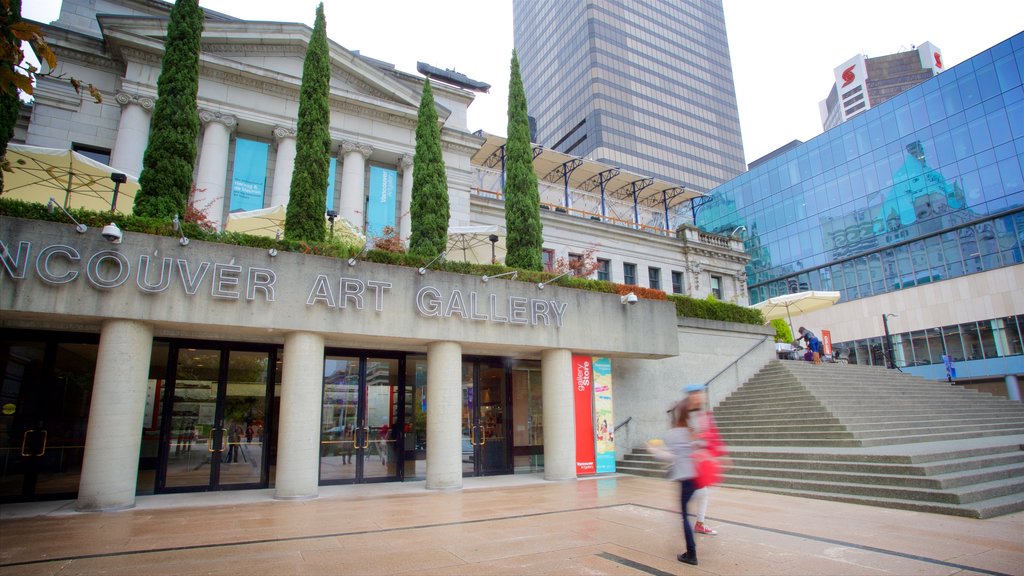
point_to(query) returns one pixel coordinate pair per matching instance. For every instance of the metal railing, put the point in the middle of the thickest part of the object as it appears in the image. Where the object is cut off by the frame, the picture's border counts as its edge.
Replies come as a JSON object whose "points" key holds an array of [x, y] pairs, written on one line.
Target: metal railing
{"points": [[707, 384]]}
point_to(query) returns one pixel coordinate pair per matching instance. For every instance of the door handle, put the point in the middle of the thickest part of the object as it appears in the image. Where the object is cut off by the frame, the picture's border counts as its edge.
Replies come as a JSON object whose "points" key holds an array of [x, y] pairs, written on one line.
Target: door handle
{"points": [[366, 437], [483, 436], [24, 442], [43, 449], [223, 438]]}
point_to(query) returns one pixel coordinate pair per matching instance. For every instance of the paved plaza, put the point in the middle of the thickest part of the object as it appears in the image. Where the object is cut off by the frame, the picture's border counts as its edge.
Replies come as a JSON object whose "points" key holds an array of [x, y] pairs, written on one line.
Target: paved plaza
{"points": [[500, 525]]}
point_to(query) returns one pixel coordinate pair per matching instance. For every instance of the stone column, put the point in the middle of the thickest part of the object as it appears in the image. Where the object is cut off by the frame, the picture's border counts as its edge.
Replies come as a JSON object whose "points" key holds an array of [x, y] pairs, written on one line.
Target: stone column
{"points": [[298, 443], [1012, 387], [113, 437], [212, 176], [444, 415], [283, 166], [353, 182], [405, 207], [132, 133], [559, 423]]}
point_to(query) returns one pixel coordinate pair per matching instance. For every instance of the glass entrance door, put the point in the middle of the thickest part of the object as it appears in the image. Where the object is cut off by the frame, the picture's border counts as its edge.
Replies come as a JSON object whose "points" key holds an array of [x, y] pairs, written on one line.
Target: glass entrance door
{"points": [[45, 392], [215, 424], [360, 419], [485, 426]]}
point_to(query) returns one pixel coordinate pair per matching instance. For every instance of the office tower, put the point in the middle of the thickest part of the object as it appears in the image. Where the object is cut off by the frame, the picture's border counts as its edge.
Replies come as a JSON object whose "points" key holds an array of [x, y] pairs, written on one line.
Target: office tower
{"points": [[863, 82], [643, 85]]}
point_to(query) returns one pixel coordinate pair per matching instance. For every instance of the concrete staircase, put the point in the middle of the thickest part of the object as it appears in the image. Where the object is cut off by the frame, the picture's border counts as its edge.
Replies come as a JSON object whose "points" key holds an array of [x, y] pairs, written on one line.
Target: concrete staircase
{"points": [[868, 435]]}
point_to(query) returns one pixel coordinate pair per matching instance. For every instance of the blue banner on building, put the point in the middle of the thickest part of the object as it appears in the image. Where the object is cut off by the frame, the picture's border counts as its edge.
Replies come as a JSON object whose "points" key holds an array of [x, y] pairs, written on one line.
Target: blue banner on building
{"points": [[380, 210], [248, 182], [330, 183]]}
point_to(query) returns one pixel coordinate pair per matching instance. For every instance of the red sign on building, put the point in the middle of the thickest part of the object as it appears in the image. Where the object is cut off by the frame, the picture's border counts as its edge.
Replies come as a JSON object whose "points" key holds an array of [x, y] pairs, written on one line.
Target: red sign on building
{"points": [[583, 385]]}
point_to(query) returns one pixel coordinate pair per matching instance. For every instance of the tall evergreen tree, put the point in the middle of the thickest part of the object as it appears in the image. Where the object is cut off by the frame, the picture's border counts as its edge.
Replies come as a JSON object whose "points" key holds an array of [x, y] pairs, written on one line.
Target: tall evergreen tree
{"points": [[10, 104], [170, 157], [307, 201], [524, 230], [429, 210]]}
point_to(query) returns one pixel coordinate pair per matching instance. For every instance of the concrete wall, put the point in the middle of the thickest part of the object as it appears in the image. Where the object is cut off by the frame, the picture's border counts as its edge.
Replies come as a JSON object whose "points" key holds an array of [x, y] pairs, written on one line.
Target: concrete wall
{"points": [[53, 275], [645, 389]]}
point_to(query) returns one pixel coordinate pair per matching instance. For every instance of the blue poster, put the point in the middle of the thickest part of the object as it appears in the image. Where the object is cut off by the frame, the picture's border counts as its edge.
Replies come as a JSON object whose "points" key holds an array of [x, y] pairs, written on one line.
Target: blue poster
{"points": [[249, 179], [330, 183], [380, 210], [604, 425]]}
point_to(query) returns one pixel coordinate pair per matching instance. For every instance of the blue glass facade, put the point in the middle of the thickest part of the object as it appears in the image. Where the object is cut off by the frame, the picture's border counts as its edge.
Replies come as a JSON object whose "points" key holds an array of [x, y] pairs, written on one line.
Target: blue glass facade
{"points": [[925, 187]]}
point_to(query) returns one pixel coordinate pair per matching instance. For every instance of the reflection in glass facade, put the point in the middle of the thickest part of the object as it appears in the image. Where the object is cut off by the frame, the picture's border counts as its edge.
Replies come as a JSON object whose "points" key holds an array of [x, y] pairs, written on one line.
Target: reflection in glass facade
{"points": [[645, 85], [925, 187]]}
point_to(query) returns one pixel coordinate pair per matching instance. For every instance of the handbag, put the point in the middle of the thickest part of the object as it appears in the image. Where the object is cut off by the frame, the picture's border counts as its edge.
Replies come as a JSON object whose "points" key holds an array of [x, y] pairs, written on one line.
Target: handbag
{"points": [[708, 469]]}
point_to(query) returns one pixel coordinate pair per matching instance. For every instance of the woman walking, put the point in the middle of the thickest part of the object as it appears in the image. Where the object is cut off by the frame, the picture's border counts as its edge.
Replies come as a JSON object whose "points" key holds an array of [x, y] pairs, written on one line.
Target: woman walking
{"points": [[678, 448]]}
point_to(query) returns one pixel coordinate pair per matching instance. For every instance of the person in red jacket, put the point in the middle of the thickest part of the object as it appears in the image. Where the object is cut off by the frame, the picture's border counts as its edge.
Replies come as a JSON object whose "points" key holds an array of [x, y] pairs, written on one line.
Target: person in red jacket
{"points": [[706, 435]]}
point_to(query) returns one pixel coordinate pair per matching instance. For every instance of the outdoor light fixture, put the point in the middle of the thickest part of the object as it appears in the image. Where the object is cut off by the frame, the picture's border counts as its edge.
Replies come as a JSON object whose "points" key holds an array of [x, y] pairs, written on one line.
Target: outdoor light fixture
{"points": [[112, 233], [494, 242], [891, 362], [273, 251], [737, 229], [331, 215], [118, 179], [366, 248], [629, 299], [176, 224], [513, 273], [423, 270], [543, 284], [81, 228]]}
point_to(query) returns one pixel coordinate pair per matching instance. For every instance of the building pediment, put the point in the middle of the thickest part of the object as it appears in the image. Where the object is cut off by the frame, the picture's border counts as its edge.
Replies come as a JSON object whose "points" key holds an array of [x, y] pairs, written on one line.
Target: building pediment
{"points": [[272, 52]]}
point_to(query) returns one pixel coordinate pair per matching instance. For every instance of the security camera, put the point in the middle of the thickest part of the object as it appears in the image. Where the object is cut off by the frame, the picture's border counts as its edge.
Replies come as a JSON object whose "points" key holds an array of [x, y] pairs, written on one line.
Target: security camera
{"points": [[629, 299], [112, 233]]}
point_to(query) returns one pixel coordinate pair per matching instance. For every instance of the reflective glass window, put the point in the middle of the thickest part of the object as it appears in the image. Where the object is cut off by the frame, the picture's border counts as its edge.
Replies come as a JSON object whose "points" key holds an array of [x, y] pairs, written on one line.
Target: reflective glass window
{"points": [[972, 341], [919, 342], [954, 346]]}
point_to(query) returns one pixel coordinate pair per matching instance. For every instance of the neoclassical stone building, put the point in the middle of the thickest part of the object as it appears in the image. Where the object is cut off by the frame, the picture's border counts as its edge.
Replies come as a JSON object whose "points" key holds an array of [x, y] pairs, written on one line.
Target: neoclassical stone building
{"points": [[248, 369]]}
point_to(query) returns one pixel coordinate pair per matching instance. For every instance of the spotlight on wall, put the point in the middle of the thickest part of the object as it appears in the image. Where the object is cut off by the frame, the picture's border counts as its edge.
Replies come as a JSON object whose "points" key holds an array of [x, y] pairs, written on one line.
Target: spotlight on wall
{"points": [[331, 216], [629, 299], [513, 275], [366, 248], [118, 179], [81, 228], [273, 250], [541, 285], [112, 233], [176, 224], [423, 270]]}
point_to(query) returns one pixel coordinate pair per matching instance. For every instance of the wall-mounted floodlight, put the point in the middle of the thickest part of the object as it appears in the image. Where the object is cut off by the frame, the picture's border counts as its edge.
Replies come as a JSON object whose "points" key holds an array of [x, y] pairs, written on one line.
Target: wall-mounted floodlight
{"points": [[513, 275], [81, 228], [541, 285], [112, 233], [366, 248], [176, 224], [273, 250], [423, 270]]}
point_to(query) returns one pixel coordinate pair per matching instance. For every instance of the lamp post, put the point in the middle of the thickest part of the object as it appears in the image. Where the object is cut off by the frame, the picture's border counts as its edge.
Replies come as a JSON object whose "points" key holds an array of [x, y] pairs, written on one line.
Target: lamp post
{"points": [[891, 362], [118, 179], [494, 242], [331, 215]]}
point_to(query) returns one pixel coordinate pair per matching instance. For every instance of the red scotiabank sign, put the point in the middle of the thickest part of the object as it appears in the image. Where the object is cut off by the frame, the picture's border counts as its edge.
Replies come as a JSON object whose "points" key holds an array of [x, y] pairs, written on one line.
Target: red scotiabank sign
{"points": [[583, 386], [826, 341]]}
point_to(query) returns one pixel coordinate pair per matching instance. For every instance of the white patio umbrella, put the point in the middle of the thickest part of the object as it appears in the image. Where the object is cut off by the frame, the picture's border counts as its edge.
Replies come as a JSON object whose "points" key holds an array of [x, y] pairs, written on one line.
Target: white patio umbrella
{"points": [[473, 244], [72, 179], [797, 303]]}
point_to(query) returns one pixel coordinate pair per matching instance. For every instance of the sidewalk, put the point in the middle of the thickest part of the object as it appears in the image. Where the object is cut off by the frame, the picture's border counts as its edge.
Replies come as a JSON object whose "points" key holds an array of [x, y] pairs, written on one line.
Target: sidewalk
{"points": [[500, 525]]}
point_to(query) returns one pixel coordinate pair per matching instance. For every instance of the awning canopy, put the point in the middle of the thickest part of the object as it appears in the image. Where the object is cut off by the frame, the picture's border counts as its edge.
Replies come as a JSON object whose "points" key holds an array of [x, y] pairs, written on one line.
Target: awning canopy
{"points": [[787, 305], [72, 179], [588, 175]]}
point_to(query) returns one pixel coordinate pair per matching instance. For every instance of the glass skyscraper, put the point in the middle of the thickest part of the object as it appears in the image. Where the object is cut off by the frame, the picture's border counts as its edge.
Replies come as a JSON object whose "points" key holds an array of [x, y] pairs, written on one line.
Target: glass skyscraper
{"points": [[645, 85], [921, 189]]}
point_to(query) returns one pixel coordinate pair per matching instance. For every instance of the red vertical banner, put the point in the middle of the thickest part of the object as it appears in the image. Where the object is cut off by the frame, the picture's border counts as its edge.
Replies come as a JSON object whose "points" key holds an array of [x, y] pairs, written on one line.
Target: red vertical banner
{"points": [[582, 381], [826, 341]]}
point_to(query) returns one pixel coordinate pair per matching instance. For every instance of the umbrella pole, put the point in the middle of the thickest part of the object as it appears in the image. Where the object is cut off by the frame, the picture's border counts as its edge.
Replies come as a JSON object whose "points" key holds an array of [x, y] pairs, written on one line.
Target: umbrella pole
{"points": [[790, 316]]}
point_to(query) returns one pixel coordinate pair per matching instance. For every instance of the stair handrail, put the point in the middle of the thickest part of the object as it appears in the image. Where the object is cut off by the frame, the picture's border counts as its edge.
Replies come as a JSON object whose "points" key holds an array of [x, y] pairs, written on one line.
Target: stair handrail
{"points": [[707, 384], [621, 424]]}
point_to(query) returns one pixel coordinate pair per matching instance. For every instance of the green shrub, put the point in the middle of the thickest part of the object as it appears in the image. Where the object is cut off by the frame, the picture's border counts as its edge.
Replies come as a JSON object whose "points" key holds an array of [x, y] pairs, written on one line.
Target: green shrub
{"points": [[782, 331], [712, 309]]}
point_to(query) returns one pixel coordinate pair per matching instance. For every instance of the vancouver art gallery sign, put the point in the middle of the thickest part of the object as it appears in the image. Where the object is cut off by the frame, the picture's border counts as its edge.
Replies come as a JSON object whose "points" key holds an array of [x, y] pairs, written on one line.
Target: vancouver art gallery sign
{"points": [[106, 270]]}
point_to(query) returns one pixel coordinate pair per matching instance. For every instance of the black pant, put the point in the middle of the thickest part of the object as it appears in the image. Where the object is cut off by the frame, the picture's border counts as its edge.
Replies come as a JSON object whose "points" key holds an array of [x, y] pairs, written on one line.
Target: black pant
{"points": [[688, 487]]}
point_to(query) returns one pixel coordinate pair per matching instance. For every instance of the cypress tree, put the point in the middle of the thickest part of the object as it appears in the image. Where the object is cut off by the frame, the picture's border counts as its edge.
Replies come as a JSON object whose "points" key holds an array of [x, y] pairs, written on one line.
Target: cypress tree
{"points": [[429, 209], [10, 103], [524, 230], [170, 157], [308, 195]]}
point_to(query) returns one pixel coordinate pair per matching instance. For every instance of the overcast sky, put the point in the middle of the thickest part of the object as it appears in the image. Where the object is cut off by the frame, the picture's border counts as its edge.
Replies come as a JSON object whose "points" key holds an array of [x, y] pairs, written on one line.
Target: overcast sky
{"points": [[783, 51]]}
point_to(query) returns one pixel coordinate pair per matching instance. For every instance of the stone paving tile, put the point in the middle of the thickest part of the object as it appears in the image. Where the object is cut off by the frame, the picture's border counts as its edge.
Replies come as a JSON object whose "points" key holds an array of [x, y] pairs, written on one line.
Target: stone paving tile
{"points": [[619, 525]]}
